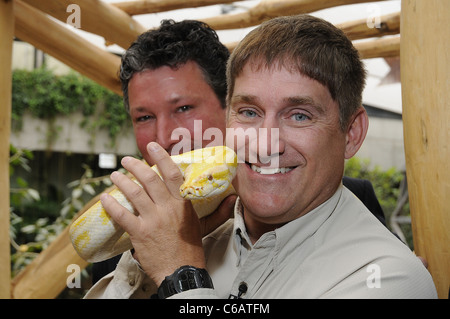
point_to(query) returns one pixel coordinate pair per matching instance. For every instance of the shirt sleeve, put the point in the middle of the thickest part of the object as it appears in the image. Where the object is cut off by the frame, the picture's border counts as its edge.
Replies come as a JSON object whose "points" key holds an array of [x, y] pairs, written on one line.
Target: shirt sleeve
{"points": [[127, 281]]}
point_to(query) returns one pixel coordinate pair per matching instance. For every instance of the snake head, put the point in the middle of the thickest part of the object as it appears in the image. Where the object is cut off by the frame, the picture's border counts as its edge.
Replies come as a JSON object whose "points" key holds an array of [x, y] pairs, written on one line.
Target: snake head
{"points": [[211, 176]]}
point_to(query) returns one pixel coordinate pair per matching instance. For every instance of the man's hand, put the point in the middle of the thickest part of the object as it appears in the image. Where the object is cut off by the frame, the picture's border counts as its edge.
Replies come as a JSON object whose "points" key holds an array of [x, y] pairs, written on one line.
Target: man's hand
{"points": [[224, 212], [165, 232]]}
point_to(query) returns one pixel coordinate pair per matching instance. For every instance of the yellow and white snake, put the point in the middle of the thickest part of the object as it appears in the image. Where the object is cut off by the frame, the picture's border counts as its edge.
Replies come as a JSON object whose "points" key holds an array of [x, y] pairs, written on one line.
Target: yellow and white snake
{"points": [[207, 172]]}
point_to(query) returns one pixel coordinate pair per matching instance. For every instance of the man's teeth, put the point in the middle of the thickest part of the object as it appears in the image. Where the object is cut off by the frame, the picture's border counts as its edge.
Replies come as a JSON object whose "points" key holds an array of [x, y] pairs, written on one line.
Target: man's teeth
{"points": [[268, 171]]}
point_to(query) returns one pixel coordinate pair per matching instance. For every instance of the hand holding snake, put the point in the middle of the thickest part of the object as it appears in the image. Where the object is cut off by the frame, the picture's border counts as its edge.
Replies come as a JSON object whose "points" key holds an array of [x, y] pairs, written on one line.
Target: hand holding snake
{"points": [[164, 229]]}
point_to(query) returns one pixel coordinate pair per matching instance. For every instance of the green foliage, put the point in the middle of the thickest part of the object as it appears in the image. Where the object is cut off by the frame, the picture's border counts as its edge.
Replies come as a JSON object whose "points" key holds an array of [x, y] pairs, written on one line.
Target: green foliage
{"points": [[386, 183], [32, 233], [46, 96]]}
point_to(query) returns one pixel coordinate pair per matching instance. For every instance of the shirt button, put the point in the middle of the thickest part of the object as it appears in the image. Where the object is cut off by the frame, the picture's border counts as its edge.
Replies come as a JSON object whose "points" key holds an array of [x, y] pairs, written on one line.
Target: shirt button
{"points": [[131, 281]]}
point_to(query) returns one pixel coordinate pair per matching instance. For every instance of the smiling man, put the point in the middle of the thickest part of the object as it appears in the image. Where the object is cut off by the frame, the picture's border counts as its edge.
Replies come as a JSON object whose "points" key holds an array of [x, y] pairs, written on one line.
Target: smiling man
{"points": [[297, 231]]}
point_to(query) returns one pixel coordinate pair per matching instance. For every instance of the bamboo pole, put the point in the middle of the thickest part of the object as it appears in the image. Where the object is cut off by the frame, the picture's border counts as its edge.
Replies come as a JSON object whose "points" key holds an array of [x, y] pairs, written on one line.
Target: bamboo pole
{"points": [[6, 41], [62, 43], [425, 76], [97, 17], [268, 9], [154, 6]]}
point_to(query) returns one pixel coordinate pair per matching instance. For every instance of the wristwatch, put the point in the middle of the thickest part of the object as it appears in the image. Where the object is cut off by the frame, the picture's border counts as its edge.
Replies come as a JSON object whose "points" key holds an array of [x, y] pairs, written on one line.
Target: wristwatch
{"points": [[183, 279]]}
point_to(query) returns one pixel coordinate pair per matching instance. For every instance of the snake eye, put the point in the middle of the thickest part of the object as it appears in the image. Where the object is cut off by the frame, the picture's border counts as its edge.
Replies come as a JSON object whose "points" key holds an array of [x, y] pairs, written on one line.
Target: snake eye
{"points": [[210, 177]]}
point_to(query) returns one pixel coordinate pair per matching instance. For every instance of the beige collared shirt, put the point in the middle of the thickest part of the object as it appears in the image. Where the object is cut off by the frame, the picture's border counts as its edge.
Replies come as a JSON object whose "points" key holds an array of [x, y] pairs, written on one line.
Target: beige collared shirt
{"points": [[338, 250]]}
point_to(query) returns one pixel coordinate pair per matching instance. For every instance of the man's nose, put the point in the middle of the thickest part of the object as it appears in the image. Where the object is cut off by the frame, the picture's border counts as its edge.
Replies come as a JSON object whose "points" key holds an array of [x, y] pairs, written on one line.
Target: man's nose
{"points": [[267, 145], [164, 129], [270, 142]]}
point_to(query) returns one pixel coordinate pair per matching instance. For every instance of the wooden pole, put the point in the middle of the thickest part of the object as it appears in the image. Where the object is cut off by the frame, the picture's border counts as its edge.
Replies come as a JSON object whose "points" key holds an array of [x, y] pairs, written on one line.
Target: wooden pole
{"points": [[98, 17], [354, 30], [378, 48], [153, 6], [267, 9], [425, 77], [6, 41], [65, 45]]}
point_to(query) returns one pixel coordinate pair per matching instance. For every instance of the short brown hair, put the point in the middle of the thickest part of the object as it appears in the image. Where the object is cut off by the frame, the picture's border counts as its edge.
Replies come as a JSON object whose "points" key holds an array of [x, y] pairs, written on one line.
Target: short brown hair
{"points": [[315, 48]]}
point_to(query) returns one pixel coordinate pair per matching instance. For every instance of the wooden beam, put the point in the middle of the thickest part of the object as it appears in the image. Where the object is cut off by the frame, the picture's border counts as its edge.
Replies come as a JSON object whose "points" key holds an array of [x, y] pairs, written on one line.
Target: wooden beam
{"points": [[65, 45], [154, 6], [268, 9], [425, 76], [97, 17], [6, 41], [355, 30], [378, 48]]}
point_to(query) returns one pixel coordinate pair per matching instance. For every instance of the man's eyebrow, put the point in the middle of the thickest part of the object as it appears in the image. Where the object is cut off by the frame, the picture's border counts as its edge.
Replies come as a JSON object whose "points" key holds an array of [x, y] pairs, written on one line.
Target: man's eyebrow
{"points": [[139, 109], [304, 100], [240, 98], [290, 101]]}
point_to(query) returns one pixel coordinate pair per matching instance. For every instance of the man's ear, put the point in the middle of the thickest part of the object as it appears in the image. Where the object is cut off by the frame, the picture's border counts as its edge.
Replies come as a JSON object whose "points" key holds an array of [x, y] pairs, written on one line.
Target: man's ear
{"points": [[356, 132]]}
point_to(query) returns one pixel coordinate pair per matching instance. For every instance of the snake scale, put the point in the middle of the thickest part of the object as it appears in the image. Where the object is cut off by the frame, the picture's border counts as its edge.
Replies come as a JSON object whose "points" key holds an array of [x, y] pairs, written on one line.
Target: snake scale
{"points": [[207, 172]]}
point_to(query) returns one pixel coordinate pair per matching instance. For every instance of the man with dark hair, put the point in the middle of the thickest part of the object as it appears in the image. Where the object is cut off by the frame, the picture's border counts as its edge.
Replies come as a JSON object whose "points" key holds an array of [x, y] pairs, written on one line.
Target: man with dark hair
{"points": [[297, 232]]}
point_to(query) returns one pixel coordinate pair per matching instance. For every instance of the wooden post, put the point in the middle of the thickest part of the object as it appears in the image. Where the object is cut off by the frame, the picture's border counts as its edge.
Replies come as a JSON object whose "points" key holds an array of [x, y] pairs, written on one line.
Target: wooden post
{"points": [[425, 77], [6, 41]]}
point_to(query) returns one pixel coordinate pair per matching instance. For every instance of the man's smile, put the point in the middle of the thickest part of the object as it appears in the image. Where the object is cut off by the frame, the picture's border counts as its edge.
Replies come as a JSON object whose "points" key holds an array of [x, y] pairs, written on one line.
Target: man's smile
{"points": [[270, 170]]}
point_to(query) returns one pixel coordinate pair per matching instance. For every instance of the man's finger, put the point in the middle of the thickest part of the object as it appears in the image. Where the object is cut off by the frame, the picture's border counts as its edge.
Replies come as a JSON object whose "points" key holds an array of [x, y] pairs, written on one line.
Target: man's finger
{"points": [[169, 171], [118, 213], [153, 187]]}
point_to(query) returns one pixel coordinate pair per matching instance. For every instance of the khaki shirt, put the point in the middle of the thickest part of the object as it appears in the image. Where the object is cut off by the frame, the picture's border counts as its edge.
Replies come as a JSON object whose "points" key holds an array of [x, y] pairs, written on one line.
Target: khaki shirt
{"points": [[337, 250]]}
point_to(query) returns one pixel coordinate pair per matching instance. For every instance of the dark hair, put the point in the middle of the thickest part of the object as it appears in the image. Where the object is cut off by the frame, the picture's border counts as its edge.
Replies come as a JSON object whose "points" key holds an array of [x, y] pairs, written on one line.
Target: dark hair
{"points": [[173, 44], [313, 47]]}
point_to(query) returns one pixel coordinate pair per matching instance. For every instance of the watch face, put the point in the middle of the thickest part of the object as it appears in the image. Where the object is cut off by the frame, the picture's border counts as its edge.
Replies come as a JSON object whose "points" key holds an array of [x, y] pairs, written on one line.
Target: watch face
{"points": [[188, 278], [183, 279]]}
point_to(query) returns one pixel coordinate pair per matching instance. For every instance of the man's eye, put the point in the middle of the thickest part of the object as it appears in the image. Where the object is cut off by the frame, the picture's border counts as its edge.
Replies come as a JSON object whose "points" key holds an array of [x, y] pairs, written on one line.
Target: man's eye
{"points": [[300, 117], [248, 113], [184, 108], [143, 118]]}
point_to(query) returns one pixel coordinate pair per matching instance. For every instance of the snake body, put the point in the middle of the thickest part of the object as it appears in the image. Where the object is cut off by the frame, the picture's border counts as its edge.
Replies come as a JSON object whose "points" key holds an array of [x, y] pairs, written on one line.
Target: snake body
{"points": [[207, 172]]}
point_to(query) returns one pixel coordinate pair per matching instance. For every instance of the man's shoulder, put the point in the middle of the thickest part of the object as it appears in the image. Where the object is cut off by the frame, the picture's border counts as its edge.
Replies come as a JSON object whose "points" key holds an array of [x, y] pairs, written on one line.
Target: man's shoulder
{"points": [[362, 249]]}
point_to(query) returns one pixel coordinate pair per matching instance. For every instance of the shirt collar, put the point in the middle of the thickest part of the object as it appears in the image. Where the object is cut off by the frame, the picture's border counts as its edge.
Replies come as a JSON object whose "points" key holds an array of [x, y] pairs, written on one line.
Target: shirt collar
{"points": [[293, 233]]}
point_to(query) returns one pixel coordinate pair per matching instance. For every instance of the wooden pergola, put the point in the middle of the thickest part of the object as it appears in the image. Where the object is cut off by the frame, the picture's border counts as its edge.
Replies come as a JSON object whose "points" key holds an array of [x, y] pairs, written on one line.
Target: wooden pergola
{"points": [[424, 53]]}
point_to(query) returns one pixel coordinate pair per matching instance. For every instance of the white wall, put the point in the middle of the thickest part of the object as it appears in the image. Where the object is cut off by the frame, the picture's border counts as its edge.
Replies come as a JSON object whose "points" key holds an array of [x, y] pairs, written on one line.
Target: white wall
{"points": [[384, 143]]}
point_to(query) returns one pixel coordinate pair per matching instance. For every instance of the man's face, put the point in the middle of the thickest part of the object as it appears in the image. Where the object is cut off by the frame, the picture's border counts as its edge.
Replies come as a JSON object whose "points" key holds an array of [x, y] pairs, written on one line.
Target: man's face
{"points": [[311, 145], [165, 99]]}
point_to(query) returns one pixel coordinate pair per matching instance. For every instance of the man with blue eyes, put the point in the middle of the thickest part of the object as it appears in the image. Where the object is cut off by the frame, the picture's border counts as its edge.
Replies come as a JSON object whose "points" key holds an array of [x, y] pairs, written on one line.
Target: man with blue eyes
{"points": [[297, 232]]}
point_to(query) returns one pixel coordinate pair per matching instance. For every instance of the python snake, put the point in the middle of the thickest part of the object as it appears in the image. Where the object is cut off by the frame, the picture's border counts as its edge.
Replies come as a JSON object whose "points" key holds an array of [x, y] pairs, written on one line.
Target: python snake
{"points": [[207, 173]]}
